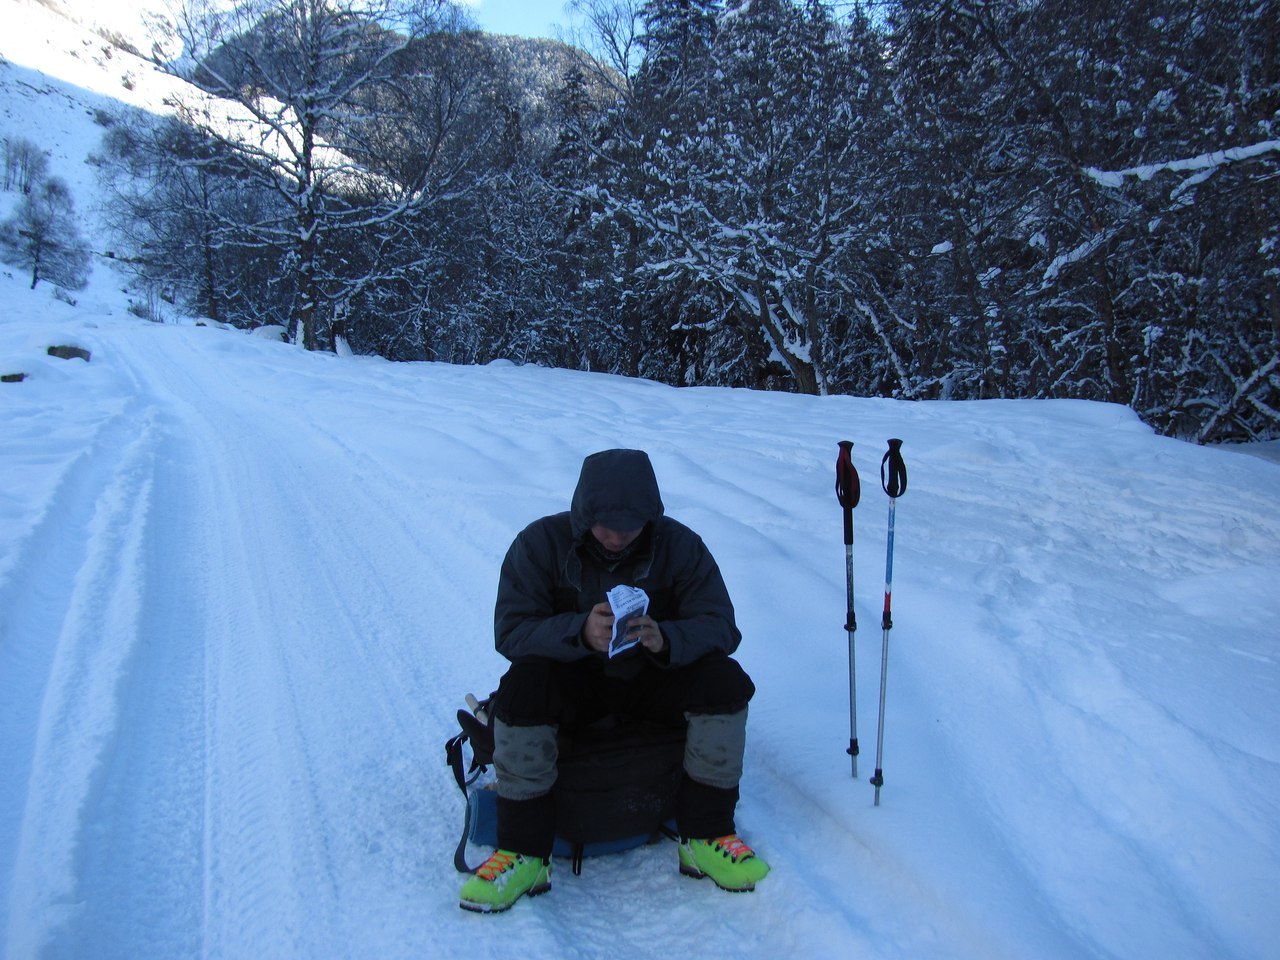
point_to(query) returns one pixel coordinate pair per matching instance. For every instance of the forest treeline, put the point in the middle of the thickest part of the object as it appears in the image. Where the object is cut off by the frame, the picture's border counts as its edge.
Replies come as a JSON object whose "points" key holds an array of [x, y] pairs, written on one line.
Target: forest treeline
{"points": [[914, 198]]}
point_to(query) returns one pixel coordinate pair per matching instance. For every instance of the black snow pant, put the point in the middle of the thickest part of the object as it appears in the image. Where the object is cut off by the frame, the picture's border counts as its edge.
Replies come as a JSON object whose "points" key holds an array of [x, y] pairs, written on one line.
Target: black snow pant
{"points": [[539, 696]]}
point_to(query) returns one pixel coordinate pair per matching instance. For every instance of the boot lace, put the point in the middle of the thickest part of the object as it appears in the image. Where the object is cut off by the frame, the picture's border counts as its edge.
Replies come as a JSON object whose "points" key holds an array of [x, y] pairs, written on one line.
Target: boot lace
{"points": [[733, 847], [496, 865]]}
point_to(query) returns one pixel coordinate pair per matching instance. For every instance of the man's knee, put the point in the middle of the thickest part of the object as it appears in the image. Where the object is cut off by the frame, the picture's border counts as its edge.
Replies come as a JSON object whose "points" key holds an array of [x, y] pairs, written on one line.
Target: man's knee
{"points": [[529, 694], [524, 758], [526, 710], [716, 710], [719, 686], [714, 747]]}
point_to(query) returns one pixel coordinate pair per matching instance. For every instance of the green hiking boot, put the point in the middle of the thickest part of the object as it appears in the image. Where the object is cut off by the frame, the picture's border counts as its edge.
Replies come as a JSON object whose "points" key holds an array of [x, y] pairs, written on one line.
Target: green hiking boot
{"points": [[726, 860], [502, 879]]}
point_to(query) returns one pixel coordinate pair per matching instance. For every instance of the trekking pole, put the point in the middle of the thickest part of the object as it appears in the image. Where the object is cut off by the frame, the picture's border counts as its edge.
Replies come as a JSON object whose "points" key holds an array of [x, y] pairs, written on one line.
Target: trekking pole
{"points": [[894, 482], [848, 493]]}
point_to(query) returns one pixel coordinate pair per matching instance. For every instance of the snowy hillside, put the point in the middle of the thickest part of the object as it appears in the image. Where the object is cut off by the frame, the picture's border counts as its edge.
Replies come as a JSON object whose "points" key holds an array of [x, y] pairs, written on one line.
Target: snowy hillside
{"points": [[244, 588], [56, 75]]}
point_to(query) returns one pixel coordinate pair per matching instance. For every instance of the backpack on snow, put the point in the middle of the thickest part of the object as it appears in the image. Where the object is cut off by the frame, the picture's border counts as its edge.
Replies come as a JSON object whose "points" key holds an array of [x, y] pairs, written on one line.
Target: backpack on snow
{"points": [[615, 786]]}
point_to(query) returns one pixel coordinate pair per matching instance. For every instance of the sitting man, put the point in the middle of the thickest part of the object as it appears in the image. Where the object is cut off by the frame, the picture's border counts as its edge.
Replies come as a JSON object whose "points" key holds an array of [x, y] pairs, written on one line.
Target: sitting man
{"points": [[553, 623]]}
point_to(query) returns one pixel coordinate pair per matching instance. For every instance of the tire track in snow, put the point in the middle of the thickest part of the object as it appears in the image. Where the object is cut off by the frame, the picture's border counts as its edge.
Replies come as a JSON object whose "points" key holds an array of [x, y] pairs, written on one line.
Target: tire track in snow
{"points": [[265, 878], [70, 637], [191, 780], [141, 836], [34, 598], [423, 601], [310, 688]]}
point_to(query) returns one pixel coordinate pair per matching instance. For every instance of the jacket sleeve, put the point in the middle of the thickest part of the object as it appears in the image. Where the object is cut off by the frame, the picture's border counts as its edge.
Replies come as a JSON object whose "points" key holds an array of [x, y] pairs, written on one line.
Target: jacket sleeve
{"points": [[525, 620], [703, 621]]}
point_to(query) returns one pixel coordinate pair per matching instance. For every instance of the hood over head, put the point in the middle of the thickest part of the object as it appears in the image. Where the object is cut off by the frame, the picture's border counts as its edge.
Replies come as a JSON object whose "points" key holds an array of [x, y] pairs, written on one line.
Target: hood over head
{"points": [[617, 489]]}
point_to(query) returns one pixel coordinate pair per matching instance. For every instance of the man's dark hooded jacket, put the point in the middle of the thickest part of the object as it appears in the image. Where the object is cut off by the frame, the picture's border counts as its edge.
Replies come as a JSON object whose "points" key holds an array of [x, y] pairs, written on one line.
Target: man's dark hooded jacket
{"points": [[556, 571]]}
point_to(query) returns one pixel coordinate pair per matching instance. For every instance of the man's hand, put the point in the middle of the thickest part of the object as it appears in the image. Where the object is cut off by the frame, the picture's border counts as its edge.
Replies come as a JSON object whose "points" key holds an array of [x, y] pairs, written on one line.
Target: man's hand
{"points": [[647, 631], [598, 628]]}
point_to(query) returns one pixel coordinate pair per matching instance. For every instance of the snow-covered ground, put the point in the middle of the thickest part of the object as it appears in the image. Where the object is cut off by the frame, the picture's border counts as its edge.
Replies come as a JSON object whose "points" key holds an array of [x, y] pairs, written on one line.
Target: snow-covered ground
{"points": [[243, 590]]}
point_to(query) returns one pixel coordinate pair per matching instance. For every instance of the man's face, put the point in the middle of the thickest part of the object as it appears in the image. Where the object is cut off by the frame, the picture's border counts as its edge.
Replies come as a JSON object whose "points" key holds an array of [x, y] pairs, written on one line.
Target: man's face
{"points": [[614, 541]]}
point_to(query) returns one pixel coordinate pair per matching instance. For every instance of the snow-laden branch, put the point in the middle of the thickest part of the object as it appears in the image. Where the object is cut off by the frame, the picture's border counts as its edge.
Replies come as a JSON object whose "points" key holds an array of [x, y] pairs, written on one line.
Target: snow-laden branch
{"points": [[1263, 376], [1205, 163], [1201, 169], [1075, 254]]}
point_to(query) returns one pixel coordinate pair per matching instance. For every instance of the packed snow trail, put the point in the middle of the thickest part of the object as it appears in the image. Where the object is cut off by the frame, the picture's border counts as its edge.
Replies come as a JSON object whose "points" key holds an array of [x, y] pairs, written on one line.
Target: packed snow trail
{"points": [[246, 587]]}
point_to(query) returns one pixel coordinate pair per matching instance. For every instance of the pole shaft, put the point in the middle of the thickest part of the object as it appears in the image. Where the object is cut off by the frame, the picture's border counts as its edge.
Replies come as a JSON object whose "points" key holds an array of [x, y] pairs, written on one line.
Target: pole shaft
{"points": [[851, 625], [886, 624], [848, 492]]}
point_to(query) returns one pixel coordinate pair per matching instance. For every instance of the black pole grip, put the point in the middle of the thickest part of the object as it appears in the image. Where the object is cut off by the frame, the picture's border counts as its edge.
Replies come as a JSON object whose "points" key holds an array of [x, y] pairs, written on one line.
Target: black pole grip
{"points": [[893, 471], [848, 489]]}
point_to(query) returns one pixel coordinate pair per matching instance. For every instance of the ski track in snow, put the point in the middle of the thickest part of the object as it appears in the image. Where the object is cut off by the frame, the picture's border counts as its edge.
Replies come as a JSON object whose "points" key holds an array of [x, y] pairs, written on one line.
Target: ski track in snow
{"points": [[262, 581]]}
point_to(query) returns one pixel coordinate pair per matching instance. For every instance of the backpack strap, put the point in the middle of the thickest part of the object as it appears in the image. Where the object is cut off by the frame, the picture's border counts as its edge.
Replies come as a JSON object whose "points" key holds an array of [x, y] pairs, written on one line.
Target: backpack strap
{"points": [[453, 757], [479, 734], [460, 854]]}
